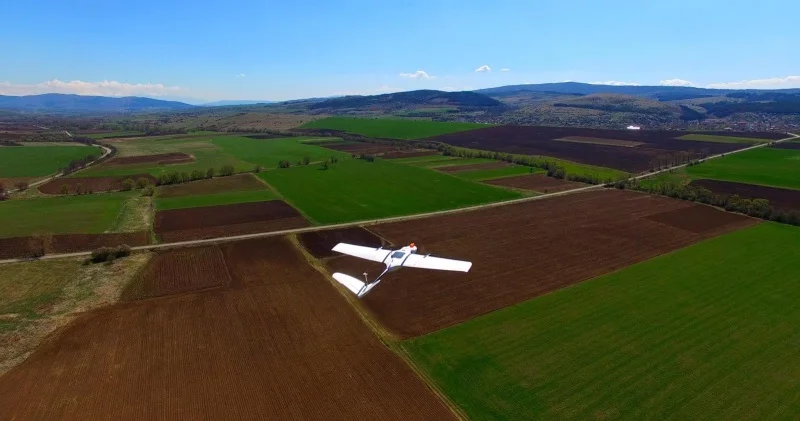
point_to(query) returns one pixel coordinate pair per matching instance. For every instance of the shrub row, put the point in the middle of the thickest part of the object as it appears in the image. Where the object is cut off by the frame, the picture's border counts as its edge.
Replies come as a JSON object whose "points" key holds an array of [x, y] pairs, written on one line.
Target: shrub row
{"points": [[758, 208]]}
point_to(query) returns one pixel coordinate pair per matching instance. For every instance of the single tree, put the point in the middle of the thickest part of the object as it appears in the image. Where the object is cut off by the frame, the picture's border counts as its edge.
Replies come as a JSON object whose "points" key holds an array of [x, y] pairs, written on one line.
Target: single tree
{"points": [[173, 178], [142, 183], [65, 189], [210, 173], [127, 184], [306, 160], [226, 170], [79, 188], [21, 185], [197, 175], [258, 169]]}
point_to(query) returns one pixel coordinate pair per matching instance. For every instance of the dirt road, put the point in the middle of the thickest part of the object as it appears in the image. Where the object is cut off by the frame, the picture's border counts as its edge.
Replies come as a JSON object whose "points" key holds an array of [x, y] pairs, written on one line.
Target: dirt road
{"points": [[397, 218]]}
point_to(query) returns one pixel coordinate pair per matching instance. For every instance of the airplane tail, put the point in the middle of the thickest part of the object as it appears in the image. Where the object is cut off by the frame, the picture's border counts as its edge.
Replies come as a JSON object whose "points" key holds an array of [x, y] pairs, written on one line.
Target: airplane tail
{"points": [[354, 285]]}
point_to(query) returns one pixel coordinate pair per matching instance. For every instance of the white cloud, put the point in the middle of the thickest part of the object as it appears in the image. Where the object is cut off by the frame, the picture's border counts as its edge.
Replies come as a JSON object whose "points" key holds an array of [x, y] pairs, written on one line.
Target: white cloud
{"points": [[615, 83], [675, 82], [419, 74], [771, 83], [79, 87], [505, 69], [241, 75], [484, 68]]}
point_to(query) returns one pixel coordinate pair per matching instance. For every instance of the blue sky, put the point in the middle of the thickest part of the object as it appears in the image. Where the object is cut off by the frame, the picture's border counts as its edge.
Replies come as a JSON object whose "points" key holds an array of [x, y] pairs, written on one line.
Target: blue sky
{"points": [[276, 50]]}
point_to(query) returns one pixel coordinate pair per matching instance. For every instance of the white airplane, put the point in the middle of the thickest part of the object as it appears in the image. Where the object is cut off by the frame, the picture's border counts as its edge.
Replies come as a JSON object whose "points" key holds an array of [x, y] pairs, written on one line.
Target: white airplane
{"points": [[394, 260]]}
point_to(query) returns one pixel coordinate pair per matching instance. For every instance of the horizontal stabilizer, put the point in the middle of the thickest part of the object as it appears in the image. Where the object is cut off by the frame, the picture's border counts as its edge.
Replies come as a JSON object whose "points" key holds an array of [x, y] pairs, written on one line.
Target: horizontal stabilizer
{"points": [[349, 282]]}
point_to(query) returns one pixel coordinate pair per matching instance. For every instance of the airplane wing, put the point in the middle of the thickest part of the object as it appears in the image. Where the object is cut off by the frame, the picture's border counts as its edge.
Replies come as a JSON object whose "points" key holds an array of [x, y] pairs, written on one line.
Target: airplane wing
{"points": [[438, 263], [369, 253]]}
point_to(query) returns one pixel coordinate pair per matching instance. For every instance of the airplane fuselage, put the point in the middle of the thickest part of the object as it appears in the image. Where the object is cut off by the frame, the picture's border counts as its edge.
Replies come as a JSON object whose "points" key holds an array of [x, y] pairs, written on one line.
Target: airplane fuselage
{"points": [[395, 259]]}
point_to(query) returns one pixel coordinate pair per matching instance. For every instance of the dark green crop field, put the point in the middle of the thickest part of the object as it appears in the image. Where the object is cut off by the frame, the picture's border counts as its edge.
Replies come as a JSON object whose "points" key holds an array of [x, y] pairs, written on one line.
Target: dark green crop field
{"points": [[391, 128], [354, 190], [706, 332]]}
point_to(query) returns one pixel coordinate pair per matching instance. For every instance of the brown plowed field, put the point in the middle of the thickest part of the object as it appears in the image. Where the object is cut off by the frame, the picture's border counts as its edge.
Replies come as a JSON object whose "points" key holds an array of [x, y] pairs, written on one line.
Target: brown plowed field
{"points": [[10, 183], [519, 252], [95, 184], [19, 247], [399, 154], [542, 140], [213, 216], [235, 229], [174, 271], [358, 147], [162, 158], [597, 141], [536, 182], [284, 346], [320, 243], [784, 199], [787, 145], [696, 218], [239, 182], [472, 167]]}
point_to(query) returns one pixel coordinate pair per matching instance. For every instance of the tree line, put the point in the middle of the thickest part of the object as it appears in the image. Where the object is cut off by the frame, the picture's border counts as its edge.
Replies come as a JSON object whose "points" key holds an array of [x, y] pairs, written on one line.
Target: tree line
{"points": [[758, 208], [552, 167]]}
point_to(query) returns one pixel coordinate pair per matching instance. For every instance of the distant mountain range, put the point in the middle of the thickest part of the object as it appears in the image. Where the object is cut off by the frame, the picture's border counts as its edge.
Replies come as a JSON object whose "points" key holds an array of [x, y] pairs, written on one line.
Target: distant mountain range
{"points": [[686, 102], [659, 92], [66, 103], [408, 99], [235, 102]]}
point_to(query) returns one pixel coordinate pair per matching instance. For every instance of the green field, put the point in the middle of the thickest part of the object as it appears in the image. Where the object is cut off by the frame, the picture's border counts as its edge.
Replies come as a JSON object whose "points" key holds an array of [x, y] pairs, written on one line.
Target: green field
{"points": [[422, 159], [765, 166], [228, 198], [268, 152], [570, 167], [509, 171], [723, 139], [89, 214], [449, 162], [207, 155], [355, 190], [212, 151], [707, 332], [38, 161], [391, 128]]}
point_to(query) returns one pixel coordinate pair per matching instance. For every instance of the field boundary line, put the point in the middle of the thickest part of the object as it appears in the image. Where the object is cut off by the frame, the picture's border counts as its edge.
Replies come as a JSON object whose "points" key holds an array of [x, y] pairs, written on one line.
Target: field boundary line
{"points": [[401, 352], [392, 219], [384, 335]]}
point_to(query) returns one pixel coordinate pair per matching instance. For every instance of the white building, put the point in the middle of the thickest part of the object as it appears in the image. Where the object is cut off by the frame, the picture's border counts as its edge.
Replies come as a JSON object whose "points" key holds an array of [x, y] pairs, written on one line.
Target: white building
{"points": [[634, 128]]}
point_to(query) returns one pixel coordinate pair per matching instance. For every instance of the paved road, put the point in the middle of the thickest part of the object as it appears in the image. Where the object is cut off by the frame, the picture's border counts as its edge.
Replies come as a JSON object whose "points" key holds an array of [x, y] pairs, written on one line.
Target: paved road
{"points": [[385, 220]]}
